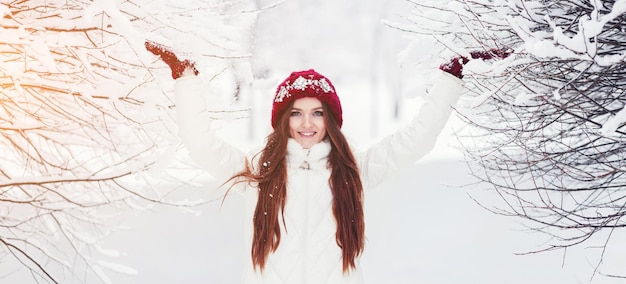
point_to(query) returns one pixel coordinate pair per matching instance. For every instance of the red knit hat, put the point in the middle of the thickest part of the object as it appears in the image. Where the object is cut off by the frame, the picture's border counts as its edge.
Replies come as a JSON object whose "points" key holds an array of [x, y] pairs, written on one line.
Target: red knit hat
{"points": [[306, 84]]}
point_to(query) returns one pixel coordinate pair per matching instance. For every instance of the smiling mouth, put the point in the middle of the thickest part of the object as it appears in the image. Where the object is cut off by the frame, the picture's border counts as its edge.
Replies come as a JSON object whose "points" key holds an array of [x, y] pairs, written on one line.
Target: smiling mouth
{"points": [[307, 134]]}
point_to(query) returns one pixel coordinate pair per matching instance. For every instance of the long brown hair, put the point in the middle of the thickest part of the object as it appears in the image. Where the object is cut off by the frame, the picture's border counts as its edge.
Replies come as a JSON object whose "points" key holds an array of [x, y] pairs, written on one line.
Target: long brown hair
{"points": [[271, 177]]}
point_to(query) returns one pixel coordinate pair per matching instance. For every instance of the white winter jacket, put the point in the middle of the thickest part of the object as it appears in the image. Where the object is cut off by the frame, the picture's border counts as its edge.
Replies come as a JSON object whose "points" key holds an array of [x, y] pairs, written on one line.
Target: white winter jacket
{"points": [[308, 251]]}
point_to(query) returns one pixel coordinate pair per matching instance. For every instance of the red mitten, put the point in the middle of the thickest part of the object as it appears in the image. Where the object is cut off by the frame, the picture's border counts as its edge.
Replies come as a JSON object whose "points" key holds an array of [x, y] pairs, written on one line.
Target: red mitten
{"points": [[455, 66], [178, 67]]}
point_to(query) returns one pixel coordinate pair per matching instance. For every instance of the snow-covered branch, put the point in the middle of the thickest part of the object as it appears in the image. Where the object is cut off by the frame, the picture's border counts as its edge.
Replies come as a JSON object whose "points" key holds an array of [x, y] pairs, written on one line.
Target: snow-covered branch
{"points": [[547, 124], [86, 120]]}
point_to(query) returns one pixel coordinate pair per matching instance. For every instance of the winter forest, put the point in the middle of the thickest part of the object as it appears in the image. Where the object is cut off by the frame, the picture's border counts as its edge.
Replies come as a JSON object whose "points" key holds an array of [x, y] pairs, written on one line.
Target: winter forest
{"points": [[526, 184]]}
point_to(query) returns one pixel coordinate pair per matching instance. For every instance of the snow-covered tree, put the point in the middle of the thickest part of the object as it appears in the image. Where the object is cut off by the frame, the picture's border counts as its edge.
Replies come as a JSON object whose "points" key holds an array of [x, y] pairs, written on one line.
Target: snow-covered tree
{"points": [[86, 126], [548, 128]]}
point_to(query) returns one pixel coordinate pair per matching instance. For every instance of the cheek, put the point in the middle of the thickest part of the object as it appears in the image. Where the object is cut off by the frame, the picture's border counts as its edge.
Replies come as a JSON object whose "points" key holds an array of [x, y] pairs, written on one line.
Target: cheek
{"points": [[292, 126], [321, 124], [322, 134]]}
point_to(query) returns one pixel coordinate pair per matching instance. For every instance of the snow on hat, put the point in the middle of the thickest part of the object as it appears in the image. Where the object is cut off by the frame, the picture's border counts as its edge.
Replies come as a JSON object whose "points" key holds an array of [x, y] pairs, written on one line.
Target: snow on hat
{"points": [[302, 84]]}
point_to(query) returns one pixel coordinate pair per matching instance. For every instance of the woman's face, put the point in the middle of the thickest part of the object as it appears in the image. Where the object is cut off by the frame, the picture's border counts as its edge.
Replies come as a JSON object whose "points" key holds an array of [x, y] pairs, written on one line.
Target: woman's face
{"points": [[306, 122]]}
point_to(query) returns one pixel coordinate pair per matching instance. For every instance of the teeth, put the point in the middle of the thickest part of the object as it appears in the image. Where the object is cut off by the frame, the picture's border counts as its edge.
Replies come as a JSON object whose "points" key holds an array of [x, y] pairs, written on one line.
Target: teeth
{"points": [[307, 133]]}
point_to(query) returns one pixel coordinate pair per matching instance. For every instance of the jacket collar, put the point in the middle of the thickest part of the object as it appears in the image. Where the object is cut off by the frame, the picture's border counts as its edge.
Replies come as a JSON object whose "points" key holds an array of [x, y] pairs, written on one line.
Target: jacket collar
{"points": [[314, 158]]}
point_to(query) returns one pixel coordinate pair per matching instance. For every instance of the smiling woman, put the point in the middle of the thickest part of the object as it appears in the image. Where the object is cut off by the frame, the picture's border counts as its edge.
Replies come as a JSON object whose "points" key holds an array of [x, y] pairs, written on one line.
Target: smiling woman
{"points": [[308, 159], [306, 186], [306, 211]]}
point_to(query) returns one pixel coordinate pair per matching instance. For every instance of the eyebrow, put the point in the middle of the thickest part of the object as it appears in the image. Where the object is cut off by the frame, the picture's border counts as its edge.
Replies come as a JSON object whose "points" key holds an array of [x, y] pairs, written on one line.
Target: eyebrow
{"points": [[317, 108]]}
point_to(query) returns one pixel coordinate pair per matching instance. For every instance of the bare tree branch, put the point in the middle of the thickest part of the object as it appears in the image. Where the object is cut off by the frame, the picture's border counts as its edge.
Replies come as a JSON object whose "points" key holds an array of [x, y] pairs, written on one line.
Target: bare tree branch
{"points": [[540, 134]]}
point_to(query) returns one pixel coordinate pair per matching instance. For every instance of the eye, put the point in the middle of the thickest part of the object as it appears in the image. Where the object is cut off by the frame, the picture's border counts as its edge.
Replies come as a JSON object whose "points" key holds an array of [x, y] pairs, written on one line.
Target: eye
{"points": [[295, 113], [318, 113]]}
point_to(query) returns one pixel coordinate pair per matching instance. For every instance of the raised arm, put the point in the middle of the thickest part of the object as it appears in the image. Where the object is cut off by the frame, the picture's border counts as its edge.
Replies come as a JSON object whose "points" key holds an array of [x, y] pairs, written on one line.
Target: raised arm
{"points": [[415, 140], [210, 152], [411, 142]]}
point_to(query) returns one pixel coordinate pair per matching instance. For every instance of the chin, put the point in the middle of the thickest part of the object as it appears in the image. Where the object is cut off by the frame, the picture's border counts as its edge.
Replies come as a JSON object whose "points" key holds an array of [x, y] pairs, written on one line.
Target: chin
{"points": [[308, 144]]}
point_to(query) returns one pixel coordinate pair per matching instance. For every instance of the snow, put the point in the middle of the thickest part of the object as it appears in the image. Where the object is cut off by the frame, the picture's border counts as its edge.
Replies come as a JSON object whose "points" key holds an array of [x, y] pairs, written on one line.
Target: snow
{"points": [[122, 269], [610, 126], [422, 227], [526, 99]]}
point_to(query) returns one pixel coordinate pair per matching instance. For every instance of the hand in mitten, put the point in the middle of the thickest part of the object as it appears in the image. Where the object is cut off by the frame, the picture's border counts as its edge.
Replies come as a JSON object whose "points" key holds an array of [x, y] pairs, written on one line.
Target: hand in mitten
{"points": [[179, 68], [455, 65]]}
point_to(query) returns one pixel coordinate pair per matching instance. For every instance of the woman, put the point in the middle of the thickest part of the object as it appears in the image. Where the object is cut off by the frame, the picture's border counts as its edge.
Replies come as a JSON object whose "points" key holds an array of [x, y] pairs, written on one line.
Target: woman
{"points": [[305, 188]]}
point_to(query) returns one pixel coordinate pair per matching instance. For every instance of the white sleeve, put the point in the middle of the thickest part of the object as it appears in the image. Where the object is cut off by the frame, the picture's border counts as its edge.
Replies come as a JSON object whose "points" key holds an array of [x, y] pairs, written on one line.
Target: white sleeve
{"points": [[413, 141], [210, 152]]}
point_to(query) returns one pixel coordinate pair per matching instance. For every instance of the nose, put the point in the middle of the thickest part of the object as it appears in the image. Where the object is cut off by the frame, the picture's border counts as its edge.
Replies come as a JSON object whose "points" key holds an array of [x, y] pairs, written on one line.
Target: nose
{"points": [[306, 121]]}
